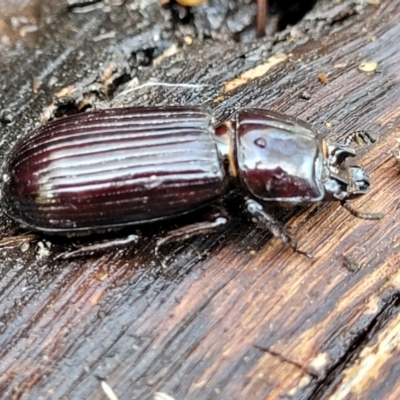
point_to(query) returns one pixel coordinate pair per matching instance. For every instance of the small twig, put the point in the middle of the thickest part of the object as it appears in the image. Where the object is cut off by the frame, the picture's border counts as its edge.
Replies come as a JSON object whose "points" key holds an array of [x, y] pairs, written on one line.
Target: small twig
{"points": [[262, 17], [166, 84]]}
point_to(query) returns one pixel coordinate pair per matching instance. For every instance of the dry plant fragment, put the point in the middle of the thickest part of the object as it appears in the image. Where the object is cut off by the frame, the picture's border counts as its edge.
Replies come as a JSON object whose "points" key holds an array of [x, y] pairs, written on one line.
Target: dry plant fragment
{"points": [[368, 66], [162, 396], [396, 152], [323, 78], [190, 3], [108, 391]]}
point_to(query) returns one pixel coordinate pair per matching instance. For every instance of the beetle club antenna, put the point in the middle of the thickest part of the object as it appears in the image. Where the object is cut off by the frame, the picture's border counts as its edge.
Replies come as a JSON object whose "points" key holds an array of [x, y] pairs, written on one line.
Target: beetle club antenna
{"points": [[360, 214], [361, 138]]}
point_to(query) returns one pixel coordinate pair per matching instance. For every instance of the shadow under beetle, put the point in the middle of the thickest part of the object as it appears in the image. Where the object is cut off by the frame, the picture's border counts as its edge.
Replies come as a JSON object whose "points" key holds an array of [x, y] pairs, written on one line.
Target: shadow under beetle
{"points": [[112, 168]]}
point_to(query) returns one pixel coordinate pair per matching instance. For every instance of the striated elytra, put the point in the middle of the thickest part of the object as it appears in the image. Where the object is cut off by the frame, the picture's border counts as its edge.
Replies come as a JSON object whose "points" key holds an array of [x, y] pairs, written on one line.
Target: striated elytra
{"points": [[112, 168]]}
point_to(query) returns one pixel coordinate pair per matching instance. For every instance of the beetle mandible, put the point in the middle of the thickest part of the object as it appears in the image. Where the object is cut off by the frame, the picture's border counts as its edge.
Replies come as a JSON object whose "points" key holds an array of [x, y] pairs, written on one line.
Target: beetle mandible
{"points": [[107, 169]]}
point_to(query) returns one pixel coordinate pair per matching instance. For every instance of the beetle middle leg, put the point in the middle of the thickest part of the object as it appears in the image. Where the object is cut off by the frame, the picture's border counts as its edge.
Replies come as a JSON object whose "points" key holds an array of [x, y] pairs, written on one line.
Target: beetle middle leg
{"points": [[265, 220], [187, 232]]}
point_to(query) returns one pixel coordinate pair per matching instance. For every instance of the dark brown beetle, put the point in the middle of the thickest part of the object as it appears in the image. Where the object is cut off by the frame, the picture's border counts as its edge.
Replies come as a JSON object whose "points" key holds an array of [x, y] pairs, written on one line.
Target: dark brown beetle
{"points": [[111, 168]]}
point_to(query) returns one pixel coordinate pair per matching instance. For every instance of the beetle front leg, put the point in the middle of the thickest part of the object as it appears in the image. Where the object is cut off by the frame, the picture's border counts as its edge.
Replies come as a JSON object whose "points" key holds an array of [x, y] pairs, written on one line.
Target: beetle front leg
{"points": [[260, 217], [265, 220]]}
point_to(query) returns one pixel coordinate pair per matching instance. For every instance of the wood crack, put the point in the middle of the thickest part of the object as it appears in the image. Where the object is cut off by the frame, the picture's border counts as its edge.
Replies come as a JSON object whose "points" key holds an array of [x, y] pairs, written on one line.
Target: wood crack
{"points": [[282, 358], [326, 386]]}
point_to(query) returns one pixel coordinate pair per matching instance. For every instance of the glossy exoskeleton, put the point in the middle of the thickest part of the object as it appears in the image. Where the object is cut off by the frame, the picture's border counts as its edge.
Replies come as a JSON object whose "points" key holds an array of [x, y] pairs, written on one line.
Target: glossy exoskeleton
{"points": [[111, 168]]}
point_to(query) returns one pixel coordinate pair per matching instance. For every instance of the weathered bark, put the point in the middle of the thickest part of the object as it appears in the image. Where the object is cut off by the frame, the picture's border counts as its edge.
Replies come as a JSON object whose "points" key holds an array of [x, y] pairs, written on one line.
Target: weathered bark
{"points": [[236, 315]]}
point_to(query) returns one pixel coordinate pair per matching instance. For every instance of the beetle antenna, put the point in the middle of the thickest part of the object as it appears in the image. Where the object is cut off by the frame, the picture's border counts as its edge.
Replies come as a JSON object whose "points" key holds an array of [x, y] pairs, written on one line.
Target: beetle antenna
{"points": [[360, 214], [361, 138]]}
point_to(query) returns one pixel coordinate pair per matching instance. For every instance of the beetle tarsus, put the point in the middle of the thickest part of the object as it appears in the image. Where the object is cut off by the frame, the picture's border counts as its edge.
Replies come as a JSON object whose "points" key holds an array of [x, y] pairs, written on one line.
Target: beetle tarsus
{"points": [[187, 232], [360, 214], [98, 247]]}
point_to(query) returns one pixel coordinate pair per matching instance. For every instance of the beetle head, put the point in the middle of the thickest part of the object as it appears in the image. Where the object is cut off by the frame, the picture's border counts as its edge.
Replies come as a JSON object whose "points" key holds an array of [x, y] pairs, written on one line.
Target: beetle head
{"points": [[343, 182]]}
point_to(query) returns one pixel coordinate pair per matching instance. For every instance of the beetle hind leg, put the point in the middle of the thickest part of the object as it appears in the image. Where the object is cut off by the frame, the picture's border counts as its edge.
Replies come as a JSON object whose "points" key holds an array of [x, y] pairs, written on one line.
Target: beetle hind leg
{"points": [[265, 220], [98, 247]]}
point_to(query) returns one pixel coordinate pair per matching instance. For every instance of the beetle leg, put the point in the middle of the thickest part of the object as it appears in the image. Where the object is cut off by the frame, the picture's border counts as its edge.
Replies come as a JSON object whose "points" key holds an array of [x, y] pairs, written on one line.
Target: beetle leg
{"points": [[187, 232], [360, 214], [265, 220], [97, 247]]}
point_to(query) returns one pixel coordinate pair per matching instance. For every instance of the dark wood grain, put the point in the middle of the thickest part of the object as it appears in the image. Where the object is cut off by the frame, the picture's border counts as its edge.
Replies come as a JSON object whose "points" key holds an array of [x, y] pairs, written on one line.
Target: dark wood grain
{"points": [[236, 314]]}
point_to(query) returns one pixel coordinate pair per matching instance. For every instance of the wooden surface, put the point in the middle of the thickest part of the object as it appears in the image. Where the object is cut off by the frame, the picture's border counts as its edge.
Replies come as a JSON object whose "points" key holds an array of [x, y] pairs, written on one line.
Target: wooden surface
{"points": [[236, 314]]}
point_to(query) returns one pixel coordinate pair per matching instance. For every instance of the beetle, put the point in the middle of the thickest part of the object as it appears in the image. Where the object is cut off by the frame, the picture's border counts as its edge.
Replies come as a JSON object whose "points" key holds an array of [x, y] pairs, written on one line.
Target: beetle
{"points": [[108, 169]]}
